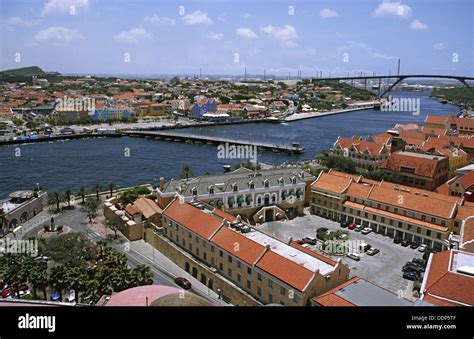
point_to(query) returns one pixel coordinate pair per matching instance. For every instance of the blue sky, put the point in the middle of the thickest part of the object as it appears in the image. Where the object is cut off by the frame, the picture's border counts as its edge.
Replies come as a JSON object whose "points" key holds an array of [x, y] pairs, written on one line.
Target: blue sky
{"points": [[224, 37]]}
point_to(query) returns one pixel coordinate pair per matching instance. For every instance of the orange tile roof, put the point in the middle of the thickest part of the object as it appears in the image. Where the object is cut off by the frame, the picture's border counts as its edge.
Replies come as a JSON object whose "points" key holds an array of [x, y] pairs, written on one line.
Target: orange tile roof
{"points": [[437, 119], [329, 298], [434, 203], [438, 302], [412, 135], [442, 282], [464, 212], [423, 167], [434, 131], [193, 218], [361, 145], [224, 215], [147, 207], [464, 122], [358, 190], [286, 270], [331, 182], [132, 210], [467, 180], [238, 245]]}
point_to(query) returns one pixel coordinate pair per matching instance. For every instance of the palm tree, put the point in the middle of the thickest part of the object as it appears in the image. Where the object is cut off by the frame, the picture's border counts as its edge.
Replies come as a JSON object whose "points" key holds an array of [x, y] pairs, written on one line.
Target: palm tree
{"points": [[186, 172], [67, 196], [112, 187], [82, 193], [113, 224], [90, 207], [55, 199], [97, 189]]}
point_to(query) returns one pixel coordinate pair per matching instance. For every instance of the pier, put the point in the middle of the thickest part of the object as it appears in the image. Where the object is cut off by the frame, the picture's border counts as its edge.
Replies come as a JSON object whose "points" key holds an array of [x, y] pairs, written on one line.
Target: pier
{"points": [[294, 148], [56, 138]]}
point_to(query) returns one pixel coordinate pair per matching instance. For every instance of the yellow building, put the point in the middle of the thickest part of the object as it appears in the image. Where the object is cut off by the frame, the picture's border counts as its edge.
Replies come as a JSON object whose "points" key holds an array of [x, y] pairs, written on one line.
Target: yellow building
{"points": [[264, 267]]}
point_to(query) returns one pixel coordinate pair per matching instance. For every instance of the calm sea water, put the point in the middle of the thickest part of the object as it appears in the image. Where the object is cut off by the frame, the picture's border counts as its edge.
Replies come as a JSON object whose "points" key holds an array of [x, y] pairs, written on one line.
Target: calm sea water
{"points": [[131, 161]]}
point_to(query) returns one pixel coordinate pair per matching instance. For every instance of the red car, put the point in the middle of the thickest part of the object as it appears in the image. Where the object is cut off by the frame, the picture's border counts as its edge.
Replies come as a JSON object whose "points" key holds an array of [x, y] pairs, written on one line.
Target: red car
{"points": [[11, 290], [352, 226], [300, 242], [183, 282]]}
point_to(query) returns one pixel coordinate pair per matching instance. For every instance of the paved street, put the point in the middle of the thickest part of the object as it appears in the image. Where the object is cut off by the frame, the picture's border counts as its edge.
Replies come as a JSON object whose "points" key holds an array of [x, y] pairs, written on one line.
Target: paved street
{"points": [[384, 269], [137, 252]]}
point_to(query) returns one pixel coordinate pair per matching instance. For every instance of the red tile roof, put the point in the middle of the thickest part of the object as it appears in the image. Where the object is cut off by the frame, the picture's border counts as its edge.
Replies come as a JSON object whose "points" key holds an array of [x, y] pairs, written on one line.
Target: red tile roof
{"points": [[331, 182], [193, 218], [238, 245], [423, 167], [441, 282], [286, 270]]}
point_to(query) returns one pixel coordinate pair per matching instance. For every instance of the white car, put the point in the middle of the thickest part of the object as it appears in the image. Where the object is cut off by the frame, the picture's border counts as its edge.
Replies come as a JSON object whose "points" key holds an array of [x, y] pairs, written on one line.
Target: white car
{"points": [[422, 248], [366, 230]]}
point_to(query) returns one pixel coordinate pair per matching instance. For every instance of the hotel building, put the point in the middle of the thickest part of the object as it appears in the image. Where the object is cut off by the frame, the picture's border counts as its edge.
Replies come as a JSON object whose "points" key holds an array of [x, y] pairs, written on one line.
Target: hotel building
{"points": [[394, 210], [269, 270], [257, 196]]}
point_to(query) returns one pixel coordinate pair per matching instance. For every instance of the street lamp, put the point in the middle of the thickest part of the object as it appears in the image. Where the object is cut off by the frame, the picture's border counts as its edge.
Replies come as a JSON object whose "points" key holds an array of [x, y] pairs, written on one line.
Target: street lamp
{"points": [[219, 293]]}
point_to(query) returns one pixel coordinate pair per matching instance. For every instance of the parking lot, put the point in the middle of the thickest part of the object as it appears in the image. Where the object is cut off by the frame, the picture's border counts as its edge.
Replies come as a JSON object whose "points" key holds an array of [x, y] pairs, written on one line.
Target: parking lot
{"points": [[384, 268]]}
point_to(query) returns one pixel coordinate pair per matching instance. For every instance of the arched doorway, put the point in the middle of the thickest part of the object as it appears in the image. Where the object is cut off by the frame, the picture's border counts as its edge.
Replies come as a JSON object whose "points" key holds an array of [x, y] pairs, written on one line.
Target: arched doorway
{"points": [[186, 267], [195, 272], [24, 217]]}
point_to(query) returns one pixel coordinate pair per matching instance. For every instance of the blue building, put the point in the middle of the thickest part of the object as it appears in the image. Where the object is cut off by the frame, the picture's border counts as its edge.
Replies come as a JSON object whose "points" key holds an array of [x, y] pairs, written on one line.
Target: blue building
{"points": [[203, 105]]}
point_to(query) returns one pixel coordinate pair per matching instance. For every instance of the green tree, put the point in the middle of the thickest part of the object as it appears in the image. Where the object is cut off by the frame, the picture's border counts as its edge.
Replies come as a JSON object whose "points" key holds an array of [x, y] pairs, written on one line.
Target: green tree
{"points": [[112, 187], [142, 275], [186, 172], [90, 207], [55, 200], [96, 189], [113, 223], [82, 193], [59, 280], [39, 279], [67, 196]]}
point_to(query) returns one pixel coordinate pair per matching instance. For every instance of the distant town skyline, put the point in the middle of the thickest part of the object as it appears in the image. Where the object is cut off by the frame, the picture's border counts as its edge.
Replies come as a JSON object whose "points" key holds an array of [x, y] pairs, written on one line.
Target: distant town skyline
{"points": [[227, 37]]}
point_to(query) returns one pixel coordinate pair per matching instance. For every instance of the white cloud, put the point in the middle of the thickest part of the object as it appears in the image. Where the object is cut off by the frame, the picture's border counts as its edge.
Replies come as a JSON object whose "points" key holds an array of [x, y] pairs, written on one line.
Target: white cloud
{"points": [[327, 13], [133, 36], [417, 25], [64, 6], [285, 34], [17, 21], [58, 35], [197, 17], [351, 45], [155, 19], [439, 46], [216, 36], [247, 15], [246, 33], [393, 8]]}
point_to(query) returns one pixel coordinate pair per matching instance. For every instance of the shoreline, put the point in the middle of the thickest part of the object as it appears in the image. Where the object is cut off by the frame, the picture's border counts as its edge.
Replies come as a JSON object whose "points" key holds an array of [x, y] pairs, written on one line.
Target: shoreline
{"points": [[310, 115]]}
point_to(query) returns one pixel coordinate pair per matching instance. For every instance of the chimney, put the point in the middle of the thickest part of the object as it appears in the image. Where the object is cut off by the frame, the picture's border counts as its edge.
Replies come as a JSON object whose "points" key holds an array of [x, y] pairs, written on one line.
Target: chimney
{"points": [[162, 183]]}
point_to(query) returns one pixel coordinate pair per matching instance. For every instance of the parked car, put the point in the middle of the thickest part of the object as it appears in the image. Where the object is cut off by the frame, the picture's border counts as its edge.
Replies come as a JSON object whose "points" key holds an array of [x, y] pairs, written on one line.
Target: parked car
{"points": [[353, 256], [414, 245], [397, 240], [410, 267], [405, 243], [344, 224], [300, 242], [23, 294], [422, 248], [415, 265], [359, 228], [366, 230], [183, 282], [364, 247], [311, 241], [410, 276], [322, 230], [372, 251], [352, 226], [419, 262]]}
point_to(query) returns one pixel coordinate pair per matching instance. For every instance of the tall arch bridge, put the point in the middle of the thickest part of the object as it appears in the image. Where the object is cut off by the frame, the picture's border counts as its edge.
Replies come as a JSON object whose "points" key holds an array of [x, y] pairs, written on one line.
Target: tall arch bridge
{"points": [[400, 78]]}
